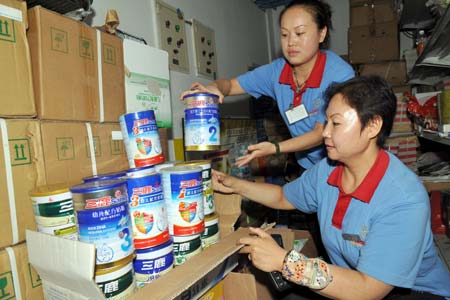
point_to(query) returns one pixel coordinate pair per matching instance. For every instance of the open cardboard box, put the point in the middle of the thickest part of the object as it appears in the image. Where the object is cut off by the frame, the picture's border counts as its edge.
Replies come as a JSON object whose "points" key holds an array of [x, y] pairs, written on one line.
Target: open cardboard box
{"points": [[67, 267]]}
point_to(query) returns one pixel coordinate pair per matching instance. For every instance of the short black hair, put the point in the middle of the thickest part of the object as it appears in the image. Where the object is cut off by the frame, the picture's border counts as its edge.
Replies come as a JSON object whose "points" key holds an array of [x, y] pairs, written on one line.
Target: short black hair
{"points": [[370, 96], [321, 12]]}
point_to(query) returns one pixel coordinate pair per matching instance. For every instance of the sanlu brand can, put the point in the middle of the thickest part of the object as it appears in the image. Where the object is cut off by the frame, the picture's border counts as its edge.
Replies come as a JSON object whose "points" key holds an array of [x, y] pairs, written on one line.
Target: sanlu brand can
{"points": [[185, 247], [183, 194], [99, 194], [211, 234], [53, 210], [147, 211], [152, 263], [141, 137], [208, 195], [116, 281], [201, 122]]}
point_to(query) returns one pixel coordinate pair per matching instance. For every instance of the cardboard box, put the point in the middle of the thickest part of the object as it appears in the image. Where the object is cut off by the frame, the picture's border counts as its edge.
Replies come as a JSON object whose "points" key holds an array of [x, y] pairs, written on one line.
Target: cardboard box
{"points": [[16, 88], [74, 150], [402, 122], [147, 81], [77, 70], [404, 147], [394, 72], [373, 43], [18, 276], [366, 12], [19, 174]]}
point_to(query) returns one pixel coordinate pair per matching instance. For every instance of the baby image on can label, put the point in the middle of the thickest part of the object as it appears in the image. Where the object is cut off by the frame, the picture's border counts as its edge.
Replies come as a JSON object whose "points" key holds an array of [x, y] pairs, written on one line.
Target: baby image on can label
{"points": [[183, 194], [109, 229], [147, 210], [141, 137]]}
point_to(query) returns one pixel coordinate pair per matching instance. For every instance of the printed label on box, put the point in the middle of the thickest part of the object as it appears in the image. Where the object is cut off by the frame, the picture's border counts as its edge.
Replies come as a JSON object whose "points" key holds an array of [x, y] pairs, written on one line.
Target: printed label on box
{"points": [[7, 30], [7, 286], [109, 54], [85, 49], [97, 146], [65, 148], [59, 40], [117, 147], [20, 152], [35, 279]]}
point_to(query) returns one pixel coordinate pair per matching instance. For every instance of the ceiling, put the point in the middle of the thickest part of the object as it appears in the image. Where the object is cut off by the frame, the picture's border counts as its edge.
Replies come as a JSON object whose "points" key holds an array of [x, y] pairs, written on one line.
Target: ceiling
{"points": [[265, 4]]}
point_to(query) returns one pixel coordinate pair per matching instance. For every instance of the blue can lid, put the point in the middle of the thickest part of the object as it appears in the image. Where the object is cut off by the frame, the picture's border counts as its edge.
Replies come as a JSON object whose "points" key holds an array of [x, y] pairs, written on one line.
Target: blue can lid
{"points": [[154, 248], [132, 170], [201, 94], [106, 176], [96, 185], [139, 114]]}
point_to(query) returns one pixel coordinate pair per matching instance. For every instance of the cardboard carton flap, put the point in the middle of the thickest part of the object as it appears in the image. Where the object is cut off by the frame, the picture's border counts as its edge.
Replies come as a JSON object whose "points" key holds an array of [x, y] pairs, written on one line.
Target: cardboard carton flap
{"points": [[66, 263], [182, 277]]}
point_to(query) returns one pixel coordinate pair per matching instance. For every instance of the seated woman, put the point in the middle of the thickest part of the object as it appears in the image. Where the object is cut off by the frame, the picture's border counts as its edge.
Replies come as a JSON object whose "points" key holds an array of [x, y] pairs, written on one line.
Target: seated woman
{"points": [[373, 211]]}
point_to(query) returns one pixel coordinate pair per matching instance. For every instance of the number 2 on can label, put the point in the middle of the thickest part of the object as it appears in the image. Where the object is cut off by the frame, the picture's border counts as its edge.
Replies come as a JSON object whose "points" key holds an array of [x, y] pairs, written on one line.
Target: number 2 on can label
{"points": [[213, 132]]}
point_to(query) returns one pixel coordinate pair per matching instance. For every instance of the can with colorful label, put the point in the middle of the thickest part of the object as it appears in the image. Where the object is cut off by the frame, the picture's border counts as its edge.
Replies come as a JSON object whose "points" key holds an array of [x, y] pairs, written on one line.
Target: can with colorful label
{"points": [[208, 195], [53, 210], [211, 234], [147, 211], [185, 247], [109, 229], [116, 281], [152, 263], [201, 122], [141, 137], [183, 194], [105, 176], [99, 194]]}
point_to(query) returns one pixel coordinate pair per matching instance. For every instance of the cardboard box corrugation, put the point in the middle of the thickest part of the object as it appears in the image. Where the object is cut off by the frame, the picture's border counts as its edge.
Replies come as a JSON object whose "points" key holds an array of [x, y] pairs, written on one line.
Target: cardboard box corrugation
{"points": [[26, 161], [26, 280], [16, 86], [66, 75]]}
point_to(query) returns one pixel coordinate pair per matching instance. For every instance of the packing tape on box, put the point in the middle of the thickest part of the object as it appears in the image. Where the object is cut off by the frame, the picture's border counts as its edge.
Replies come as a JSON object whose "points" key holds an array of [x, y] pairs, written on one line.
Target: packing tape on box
{"points": [[91, 148], [9, 182], [100, 76], [10, 12], [15, 273]]}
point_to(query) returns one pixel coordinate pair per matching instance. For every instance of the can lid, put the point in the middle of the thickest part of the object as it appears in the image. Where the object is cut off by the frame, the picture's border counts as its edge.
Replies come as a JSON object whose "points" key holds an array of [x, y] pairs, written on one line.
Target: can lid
{"points": [[211, 219], [97, 185], [194, 163], [146, 170], [139, 114], [201, 94], [181, 169], [52, 189], [154, 248], [106, 176], [114, 266]]}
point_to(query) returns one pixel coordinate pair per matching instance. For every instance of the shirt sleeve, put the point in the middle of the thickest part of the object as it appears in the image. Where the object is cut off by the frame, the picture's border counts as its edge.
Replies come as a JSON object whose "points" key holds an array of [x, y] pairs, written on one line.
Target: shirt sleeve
{"points": [[261, 80], [396, 242]]}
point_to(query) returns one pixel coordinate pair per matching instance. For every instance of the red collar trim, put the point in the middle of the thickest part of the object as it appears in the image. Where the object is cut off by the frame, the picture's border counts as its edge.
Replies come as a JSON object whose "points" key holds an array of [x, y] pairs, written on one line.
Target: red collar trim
{"points": [[367, 188], [314, 79]]}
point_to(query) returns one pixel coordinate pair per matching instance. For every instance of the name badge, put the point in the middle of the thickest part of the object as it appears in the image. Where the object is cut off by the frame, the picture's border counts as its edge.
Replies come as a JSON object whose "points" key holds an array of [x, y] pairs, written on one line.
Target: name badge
{"points": [[296, 114]]}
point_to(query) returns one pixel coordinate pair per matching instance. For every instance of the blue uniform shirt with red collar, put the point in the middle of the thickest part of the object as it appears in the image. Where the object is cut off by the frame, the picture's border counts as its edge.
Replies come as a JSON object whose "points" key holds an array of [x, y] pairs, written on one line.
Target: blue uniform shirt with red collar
{"points": [[382, 230], [275, 80]]}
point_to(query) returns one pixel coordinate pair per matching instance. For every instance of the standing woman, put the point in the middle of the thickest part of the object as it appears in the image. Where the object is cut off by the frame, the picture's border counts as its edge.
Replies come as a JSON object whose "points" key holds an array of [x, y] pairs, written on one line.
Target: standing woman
{"points": [[296, 82], [374, 212]]}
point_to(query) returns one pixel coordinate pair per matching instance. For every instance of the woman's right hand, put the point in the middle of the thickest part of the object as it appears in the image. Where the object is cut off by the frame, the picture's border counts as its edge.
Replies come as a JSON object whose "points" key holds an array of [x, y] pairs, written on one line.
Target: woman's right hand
{"points": [[221, 182], [197, 87]]}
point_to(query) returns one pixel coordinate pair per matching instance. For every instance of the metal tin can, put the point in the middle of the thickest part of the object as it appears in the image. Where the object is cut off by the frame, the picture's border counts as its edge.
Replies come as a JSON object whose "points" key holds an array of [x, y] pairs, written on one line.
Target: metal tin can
{"points": [[116, 281], [53, 209], [208, 195], [69, 232], [183, 194], [147, 211], [211, 234], [185, 247], [106, 176], [141, 137], [109, 229], [99, 194], [201, 122], [166, 164], [152, 263], [142, 171]]}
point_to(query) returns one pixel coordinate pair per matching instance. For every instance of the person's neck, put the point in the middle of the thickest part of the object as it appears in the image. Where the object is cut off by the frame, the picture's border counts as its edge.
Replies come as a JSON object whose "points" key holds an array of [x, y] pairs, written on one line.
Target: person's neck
{"points": [[304, 70], [357, 169]]}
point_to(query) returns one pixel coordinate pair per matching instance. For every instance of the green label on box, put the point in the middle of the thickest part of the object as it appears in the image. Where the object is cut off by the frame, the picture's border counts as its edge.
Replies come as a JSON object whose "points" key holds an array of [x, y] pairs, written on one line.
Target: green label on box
{"points": [[65, 148], [34, 277], [59, 40], [7, 31], [109, 54], [20, 152], [6, 286], [86, 49], [117, 147], [97, 146]]}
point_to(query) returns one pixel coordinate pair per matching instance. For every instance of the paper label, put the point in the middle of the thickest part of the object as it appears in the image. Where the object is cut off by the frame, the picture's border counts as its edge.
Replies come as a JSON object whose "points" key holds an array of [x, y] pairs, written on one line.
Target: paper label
{"points": [[9, 12]]}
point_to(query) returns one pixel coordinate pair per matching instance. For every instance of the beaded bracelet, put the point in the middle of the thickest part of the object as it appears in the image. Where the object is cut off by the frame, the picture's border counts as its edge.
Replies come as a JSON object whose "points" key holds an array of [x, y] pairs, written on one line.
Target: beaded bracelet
{"points": [[311, 272], [277, 147]]}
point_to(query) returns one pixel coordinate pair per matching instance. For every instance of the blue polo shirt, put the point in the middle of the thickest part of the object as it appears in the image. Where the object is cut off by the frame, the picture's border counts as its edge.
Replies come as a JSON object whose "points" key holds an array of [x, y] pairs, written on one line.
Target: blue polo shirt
{"points": [[383, 230], [275, 80]]}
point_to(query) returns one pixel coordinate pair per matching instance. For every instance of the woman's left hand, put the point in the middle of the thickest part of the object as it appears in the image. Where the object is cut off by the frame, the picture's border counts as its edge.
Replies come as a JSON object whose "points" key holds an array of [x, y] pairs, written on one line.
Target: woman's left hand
{"points": [[254, 151], [263, 251]]}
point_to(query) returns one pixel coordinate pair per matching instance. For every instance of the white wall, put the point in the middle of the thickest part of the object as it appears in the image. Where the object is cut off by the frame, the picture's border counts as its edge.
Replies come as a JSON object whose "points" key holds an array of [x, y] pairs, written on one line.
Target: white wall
{"points": [[240, 33]]}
